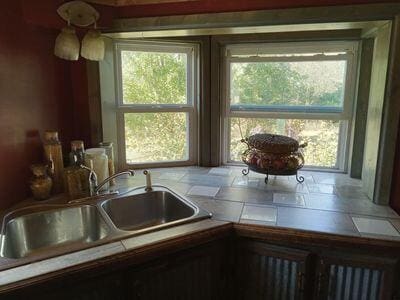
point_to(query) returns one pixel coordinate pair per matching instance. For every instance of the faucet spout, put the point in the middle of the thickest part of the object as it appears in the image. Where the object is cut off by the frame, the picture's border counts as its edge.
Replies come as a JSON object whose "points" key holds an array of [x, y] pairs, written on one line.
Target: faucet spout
{"points": [[148, 188], [101, 184], [92, 179]]}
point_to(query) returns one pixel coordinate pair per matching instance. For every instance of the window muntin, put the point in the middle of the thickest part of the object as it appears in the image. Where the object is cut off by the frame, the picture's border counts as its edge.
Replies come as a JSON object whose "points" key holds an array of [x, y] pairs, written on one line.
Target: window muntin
{"points": [[156, 103], [258, 97]]}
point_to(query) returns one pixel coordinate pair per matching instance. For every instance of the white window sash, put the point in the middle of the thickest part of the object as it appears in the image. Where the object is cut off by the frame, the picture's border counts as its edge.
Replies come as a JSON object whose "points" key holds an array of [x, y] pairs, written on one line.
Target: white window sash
{"points": [[344, 115], [190, 108]]}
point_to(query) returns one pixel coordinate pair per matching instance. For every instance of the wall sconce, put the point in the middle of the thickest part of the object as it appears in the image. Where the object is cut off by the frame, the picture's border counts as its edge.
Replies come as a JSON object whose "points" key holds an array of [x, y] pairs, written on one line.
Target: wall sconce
{"points": [[67, 44]]}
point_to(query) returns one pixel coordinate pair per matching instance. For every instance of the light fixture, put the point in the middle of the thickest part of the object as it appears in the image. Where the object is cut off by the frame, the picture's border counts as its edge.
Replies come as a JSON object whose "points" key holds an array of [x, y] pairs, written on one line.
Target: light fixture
{"points": [[93, 45], [67, 45]]}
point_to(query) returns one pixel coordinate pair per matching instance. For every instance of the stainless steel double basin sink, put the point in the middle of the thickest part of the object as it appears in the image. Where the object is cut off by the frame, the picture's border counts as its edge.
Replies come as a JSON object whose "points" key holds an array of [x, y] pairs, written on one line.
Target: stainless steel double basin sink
{"points": [[38, 229]]}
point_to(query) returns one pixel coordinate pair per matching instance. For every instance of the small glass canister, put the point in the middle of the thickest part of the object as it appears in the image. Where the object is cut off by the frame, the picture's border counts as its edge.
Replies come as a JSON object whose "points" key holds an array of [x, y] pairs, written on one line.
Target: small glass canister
{"points": [[41, 182], [108, 146]]}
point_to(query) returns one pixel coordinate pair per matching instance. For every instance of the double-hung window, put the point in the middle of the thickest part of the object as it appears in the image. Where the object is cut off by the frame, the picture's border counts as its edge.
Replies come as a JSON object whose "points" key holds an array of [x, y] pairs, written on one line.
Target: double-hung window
{"points": [[156, 103], [303, 90]]}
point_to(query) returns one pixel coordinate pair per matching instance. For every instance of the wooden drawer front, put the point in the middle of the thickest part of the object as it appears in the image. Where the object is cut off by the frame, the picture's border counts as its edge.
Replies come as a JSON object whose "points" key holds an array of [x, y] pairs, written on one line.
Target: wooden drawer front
{"points": [[346, 283]]}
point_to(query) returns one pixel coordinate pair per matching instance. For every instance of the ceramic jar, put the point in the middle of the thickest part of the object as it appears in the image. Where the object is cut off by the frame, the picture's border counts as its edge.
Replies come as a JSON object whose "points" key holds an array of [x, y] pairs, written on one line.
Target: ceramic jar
{"points": [[41, 182]]}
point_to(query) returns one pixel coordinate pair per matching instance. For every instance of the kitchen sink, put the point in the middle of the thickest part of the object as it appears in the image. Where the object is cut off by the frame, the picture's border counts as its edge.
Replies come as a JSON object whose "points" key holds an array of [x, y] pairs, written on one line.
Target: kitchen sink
{"points": [[43, 229], [24, 235], [151, 210]]}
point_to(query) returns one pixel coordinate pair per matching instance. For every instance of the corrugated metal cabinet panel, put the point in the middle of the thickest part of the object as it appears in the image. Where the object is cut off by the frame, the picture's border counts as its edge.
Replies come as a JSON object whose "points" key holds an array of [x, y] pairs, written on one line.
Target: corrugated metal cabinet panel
{"points": [[342, 276], [271, 272]]}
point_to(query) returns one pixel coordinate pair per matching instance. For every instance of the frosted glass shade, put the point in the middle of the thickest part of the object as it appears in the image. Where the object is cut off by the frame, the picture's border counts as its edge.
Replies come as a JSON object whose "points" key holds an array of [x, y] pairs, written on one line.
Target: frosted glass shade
{"points": [[93, 46], [67, 44]]}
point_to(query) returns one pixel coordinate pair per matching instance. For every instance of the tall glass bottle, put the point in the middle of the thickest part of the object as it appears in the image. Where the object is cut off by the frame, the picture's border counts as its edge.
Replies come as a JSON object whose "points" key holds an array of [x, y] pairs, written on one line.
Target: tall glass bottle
{"points": [[53, 156]]}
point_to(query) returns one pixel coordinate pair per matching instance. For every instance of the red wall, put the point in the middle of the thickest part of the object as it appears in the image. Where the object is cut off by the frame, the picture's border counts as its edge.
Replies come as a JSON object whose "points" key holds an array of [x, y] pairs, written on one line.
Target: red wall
{"points": [[39, 91], [212, 6], [34, 96]]}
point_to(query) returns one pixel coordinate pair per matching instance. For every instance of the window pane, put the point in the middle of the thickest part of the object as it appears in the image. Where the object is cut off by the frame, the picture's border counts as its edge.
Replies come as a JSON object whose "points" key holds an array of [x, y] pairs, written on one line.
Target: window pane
{"points": [[322, 137], [153, 77], [156, 137], [301, 84]]}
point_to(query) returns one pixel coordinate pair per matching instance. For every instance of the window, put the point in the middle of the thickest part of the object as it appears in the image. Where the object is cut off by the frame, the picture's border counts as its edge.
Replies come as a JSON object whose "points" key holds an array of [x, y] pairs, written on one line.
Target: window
{"points": [[303, 90], [156, 103]]}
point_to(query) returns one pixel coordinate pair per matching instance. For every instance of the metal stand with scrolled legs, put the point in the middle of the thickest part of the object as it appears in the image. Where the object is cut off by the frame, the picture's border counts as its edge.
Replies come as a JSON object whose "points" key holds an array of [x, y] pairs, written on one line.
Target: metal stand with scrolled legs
{"points": [[299, 178]]}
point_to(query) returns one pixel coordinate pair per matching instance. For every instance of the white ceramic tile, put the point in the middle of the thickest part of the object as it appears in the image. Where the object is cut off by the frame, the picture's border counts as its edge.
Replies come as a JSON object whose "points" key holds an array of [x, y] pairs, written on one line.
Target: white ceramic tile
{"points": [[220, 171], [245, 181], [351, 192], [259, 213], [289, 199], [321, 188], [201, 190], [375, 226], [176, 176]]}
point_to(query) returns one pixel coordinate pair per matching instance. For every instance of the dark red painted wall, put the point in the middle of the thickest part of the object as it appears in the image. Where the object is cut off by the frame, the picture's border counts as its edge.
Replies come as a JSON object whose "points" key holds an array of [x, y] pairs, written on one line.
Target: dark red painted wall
{"points": [[35, 95], [212, 6], [39, 91]]}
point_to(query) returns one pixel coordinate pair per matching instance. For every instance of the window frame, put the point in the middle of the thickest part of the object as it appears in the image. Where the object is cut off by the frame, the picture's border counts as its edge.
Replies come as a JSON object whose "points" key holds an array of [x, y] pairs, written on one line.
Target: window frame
{"points": [[190, 108], [345, 116]]}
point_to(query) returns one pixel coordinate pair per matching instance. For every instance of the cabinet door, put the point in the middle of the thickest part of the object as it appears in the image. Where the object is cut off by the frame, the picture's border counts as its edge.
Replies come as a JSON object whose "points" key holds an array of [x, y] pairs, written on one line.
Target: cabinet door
{"points": [[193, 274], [345, 277], [271, 272]]}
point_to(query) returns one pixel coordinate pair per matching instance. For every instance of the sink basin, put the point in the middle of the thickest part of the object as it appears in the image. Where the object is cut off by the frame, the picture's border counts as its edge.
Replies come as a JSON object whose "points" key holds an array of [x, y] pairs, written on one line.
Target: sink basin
{"points": [[27, 234], [150, 210]]}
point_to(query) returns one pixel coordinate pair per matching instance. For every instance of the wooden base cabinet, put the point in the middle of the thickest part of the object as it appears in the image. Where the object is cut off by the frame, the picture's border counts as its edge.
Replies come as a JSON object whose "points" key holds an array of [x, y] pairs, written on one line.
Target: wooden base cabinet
{"points": [[266, 271], [249, 266]]}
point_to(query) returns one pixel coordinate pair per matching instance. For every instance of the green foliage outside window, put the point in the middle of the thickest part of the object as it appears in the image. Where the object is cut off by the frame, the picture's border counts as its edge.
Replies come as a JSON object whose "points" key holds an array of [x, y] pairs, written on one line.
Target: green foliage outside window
{"points": [[160, 78], [154, 78]]}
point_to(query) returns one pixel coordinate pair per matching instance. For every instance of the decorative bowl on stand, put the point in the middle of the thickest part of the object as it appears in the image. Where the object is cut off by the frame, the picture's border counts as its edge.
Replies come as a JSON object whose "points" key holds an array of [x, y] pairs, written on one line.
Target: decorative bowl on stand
{"points": [[273, 154]]}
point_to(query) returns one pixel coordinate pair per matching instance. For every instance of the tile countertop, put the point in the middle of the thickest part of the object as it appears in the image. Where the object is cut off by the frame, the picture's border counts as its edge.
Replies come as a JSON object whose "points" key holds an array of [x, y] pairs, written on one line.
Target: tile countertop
{"points": [[325, 202]]}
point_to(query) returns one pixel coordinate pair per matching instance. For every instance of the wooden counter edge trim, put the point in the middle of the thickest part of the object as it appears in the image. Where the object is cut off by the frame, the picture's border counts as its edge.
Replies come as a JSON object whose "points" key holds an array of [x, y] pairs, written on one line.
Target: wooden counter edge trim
{"points": [[124, 259], [317, 239]]}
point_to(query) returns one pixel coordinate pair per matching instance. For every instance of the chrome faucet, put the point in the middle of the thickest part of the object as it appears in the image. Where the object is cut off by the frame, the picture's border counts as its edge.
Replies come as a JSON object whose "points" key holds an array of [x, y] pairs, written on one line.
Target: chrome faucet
{"points": [[149, 187], [94, 188]]}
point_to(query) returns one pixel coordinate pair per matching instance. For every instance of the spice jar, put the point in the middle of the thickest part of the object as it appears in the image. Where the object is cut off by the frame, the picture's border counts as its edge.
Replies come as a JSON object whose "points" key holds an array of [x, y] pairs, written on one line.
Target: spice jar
{"points": [[53, 156], [108, 146], [97, 160], [41, 182]]}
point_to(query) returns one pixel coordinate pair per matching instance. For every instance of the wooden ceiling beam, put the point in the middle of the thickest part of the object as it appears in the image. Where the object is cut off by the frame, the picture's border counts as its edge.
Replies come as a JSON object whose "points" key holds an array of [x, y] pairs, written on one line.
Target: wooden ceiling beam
{"points": [[133, 2]]}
